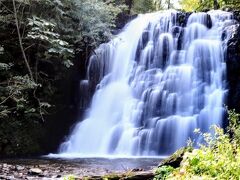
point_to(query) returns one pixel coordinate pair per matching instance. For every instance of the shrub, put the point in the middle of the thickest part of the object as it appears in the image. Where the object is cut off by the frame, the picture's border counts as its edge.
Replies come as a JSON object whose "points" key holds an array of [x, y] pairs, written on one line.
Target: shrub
{"points": [[163, 172]]}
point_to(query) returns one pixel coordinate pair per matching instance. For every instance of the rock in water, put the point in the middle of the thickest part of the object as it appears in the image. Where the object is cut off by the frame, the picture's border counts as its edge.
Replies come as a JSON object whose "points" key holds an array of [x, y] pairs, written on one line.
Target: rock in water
{"points": [[35, 171], [19, 168]]}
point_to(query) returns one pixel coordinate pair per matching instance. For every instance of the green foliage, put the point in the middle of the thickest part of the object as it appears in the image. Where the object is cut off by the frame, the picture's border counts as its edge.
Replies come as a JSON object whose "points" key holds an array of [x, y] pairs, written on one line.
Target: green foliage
{"points": [[163, 172], [200, 5], [5, 67], [219, 158], [70, 177], [43, 33], [234, 4], [189, 5], [14, 97], [48, 38], [20, 136], [52, 33], [234, 125], [95, 20], [144, 6]]}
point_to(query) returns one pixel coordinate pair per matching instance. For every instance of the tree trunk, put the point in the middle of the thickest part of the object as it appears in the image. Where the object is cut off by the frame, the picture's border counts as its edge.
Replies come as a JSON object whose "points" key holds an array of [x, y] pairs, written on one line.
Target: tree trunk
{"points": [[129, 3], [20, 41], [215, 4], [168, 4]]}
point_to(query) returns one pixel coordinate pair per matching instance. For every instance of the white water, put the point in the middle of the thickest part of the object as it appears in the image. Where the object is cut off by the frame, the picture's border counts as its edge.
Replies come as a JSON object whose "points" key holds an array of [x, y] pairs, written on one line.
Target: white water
{"points": [[155, 86]]}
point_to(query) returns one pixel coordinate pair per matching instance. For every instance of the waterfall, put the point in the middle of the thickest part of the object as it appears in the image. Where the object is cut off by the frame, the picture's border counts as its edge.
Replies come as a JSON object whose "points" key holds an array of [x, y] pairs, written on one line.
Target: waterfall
{"points": [[154, 83]]}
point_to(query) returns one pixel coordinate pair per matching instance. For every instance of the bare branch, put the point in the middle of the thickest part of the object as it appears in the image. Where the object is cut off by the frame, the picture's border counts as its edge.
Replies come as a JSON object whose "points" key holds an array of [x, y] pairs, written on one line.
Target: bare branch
{"points": [[29, 47], [10, 96], [20, 41], [1, 3], [40, 107]]}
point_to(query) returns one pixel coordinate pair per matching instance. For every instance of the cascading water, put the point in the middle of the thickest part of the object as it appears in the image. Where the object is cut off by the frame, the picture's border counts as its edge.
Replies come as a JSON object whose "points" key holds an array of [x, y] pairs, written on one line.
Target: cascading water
{"points": [[157, 82]]}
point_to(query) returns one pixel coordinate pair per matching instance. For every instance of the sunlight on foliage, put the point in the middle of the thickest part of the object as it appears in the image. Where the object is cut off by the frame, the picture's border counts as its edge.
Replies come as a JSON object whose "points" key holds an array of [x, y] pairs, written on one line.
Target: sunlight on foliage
{"points": [[201, 5], [234, 125], [144, 6], [189, 5], [70, 177]]}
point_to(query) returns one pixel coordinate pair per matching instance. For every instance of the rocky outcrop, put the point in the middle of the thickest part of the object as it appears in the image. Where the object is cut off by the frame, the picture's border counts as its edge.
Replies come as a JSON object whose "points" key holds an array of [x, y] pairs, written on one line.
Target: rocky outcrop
{"points": [[122, 19], [174, 160], [233, 65]]}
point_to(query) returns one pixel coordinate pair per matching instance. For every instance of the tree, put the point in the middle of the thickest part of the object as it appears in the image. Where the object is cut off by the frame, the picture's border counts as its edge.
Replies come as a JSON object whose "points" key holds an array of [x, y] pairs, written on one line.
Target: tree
{"points": [[168, 4], [189, 5], [144, 6], [129, 3]]}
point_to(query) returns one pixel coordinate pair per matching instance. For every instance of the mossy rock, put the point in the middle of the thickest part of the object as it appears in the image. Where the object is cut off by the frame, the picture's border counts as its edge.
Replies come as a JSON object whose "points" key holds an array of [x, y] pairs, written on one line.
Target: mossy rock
{"points": [[143, 175], [175, 160]]}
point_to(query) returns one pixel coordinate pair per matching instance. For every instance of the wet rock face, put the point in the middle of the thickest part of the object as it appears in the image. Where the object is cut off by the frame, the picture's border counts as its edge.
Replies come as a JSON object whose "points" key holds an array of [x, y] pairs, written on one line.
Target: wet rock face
{"points": [[208, 21], [236, 15], [122, 19], [233, 68], [182, 18]]}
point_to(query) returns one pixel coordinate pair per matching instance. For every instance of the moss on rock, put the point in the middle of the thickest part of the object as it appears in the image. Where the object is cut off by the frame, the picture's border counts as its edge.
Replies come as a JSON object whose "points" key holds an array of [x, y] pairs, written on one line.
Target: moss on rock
{"points": [[175, 159]]}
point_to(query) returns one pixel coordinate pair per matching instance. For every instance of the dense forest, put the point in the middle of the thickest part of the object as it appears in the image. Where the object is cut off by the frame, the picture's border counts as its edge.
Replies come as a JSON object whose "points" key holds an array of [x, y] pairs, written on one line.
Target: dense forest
{"points": [[40, 42], [44, 48]]}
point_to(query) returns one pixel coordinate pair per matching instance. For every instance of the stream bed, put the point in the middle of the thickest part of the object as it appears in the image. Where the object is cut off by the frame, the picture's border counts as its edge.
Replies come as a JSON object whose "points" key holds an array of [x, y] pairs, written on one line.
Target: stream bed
{"points": [[48, 168]]}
